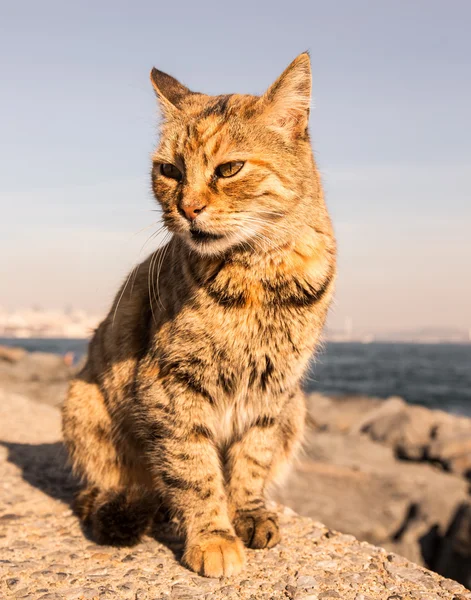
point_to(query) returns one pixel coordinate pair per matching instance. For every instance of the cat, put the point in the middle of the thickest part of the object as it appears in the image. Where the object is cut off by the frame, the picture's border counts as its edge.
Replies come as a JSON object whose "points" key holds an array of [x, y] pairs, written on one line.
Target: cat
{"points": [[190, 397]]}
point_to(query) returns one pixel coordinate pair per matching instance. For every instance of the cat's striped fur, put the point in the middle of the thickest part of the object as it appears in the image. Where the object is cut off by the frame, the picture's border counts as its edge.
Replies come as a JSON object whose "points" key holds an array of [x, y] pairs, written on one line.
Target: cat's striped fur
{"points": [[191, 393]]}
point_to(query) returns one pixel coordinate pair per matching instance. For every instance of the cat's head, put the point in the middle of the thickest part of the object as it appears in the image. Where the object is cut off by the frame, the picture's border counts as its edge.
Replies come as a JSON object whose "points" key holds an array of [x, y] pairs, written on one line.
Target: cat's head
{"points": [[233, 170]]}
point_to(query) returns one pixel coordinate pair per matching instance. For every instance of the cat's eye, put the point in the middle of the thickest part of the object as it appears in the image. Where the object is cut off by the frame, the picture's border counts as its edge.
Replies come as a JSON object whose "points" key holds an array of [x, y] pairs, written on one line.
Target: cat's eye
{"points": [[229, 169], [171, 171]]}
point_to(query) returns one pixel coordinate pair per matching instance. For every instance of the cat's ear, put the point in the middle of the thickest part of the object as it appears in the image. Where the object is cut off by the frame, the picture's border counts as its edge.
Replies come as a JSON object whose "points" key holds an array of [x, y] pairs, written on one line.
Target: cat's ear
{"points": [[170, 92], [286, 103]]}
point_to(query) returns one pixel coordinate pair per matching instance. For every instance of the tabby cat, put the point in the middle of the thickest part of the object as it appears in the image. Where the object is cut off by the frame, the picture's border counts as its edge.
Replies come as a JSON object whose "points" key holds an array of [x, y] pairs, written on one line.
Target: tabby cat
{"points": [[190, 397]]}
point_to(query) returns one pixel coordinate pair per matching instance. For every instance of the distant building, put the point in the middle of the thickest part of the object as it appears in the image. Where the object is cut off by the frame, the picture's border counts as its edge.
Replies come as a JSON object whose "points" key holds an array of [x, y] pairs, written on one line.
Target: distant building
{"points": [[38, 323]]}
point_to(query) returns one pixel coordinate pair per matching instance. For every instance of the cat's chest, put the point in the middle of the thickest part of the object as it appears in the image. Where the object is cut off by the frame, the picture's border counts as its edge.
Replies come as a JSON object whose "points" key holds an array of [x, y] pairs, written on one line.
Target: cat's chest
{"points": [[246, 337], [241, 353], [262, 345]]}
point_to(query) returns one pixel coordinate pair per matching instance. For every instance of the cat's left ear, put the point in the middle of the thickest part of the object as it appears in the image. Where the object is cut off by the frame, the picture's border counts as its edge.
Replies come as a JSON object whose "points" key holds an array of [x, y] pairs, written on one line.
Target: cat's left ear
{"points": [[286, 103], [169, 90]]}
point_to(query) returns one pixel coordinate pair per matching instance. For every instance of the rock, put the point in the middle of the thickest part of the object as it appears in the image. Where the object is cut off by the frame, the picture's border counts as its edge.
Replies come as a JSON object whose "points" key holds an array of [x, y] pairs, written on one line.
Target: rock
{"points": [[313, 562], [416, 433], [13, 582], [378, 413], [338, 414], [11, 355], [40, 376], [359, 486], [461, 465], [454, 554], [413, 432], [451, 444], [405, 428]]}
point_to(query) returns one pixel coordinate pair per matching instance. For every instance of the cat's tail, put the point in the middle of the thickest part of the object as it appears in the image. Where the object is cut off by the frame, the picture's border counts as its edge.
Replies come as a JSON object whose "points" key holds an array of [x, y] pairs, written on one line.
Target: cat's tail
{"points": [[115, 518]]}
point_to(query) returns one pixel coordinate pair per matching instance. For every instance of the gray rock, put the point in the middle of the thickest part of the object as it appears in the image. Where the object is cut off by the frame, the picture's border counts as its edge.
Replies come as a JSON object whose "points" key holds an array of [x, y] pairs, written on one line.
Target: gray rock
{"points": [[365, 488]]}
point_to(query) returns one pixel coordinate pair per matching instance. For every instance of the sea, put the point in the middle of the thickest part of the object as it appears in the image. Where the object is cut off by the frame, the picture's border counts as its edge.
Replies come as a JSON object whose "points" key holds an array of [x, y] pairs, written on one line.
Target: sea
{"points": [[432, 375]]}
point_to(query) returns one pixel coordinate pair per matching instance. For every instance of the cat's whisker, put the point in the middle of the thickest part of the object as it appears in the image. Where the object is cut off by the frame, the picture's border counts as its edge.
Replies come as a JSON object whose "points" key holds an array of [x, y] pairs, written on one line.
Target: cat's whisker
{"points": [[260, 236], [157, 263], [150, 277], [152, 236], [270, 213], [274, 245], [264, 224], [256, 238], [145, 228], [243, 241], [133, 271], [269, 242], [159, 269]]}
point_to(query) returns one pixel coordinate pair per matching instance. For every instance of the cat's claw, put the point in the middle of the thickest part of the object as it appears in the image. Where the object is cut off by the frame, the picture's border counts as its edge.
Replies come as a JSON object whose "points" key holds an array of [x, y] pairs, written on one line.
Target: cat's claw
{"points": [[215, 556]]}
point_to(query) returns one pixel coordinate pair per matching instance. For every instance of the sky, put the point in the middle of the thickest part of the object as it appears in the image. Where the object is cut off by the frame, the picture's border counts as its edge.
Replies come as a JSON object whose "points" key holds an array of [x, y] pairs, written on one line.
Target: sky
{"points": [[390, 124]]}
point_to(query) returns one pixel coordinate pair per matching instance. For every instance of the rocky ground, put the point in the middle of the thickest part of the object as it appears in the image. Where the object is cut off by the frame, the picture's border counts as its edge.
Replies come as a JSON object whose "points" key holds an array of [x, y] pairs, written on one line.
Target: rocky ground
{"points": [[391, 474], [46, 556]]}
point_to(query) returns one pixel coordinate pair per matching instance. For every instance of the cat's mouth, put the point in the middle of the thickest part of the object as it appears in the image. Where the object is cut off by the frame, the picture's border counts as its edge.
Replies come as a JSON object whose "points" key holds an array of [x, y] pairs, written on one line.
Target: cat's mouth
{"points": [[203, 236]]}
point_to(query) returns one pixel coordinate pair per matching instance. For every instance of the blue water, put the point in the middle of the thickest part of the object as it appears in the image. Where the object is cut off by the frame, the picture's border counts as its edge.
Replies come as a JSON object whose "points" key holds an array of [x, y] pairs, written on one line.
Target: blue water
{"points": [[433, 375]]}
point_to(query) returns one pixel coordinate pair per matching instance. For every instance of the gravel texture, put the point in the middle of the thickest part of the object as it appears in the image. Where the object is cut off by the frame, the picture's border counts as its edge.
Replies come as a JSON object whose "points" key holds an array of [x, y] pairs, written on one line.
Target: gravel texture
{"points": [[44, 555]]}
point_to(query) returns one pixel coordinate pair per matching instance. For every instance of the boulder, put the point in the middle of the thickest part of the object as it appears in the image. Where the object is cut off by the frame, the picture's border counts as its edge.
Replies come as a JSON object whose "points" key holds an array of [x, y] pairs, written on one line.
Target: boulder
{"points": [[359, 486], [451, 445], [340, 413], [454, 554], [41, 376], [414, 433], [11, 355]]}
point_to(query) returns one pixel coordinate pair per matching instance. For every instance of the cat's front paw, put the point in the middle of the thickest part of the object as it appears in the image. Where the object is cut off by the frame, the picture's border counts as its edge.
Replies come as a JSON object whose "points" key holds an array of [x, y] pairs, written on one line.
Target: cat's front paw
{"points": [[215, 555], [257, 528]]}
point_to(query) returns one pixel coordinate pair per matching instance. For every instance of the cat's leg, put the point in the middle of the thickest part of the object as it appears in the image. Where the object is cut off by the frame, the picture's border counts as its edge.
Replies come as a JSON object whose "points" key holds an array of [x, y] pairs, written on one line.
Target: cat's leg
{"points": [[186, 465], [115, 504], [116, 517], [259, 458]]}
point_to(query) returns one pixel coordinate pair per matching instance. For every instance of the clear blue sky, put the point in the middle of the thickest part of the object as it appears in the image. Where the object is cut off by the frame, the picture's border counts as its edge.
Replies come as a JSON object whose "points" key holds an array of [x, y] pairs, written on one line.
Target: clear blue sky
{"points": [[391, 129]]}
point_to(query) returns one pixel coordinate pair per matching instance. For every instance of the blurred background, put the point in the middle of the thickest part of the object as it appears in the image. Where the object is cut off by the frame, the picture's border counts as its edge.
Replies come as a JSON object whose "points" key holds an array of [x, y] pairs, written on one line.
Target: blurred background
{"points": [[391, 130]]}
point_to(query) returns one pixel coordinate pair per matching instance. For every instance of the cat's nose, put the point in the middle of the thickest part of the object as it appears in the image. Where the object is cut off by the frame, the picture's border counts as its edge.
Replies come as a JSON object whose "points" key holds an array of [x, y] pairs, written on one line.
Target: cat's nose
{"points": [[191, 211]]}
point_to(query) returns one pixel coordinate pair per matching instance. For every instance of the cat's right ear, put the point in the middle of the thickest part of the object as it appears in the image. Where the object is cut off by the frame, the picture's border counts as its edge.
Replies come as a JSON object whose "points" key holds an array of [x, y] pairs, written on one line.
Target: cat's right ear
{"points": [[286, 102], [169, 91]]}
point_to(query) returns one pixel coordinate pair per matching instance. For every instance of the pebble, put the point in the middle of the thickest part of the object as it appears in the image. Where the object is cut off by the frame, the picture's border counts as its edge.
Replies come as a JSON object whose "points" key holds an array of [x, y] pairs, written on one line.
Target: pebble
{"points": [[227, 589], [12, 582], [128, 558], [307, 581]]}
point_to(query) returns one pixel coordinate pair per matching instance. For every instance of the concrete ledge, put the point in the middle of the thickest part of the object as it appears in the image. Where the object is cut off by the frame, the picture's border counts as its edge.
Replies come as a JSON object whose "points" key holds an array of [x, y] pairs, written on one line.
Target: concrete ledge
{"points": [[45, 556]]}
